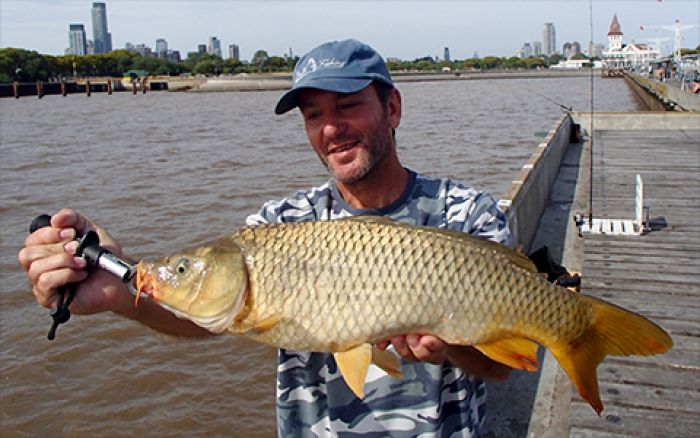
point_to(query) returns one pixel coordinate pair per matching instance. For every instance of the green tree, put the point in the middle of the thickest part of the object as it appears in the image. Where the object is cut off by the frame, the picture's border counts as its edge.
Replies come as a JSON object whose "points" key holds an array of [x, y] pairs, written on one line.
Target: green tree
{"points": [[259, 59], [209, 66], [535, 62], [490, 62], [512, 63], [232, 66], [275, 63]]}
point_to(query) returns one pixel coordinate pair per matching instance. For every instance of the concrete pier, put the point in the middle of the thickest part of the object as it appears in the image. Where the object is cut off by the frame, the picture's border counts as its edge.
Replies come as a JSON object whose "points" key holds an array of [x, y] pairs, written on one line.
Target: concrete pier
{"points": [[661, 93]]}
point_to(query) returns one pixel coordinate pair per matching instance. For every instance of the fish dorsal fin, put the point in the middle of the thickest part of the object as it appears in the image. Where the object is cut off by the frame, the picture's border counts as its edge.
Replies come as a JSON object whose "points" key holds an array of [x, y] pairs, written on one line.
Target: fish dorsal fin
{"points": [[387, 361], [518, 353], [353, 365]]}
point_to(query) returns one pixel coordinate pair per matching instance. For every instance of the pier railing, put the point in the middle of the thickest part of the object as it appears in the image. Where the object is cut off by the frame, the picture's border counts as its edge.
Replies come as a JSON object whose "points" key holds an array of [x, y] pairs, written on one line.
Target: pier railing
{"points": [[528, 194]]}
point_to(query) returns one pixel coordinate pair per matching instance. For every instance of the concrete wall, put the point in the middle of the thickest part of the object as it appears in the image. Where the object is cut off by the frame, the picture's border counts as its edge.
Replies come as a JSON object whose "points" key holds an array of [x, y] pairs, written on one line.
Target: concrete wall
{"points": [[527, 196], [681, 100]]}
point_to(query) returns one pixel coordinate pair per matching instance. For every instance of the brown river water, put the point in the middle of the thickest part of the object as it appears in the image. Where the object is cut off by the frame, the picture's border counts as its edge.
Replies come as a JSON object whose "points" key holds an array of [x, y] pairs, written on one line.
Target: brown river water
{"points": [[166, 170]]}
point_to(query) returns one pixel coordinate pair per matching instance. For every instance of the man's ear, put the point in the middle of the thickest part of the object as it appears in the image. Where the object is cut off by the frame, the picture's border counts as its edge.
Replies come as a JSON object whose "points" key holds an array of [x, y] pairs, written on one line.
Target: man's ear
{"points": [[394, 108]]}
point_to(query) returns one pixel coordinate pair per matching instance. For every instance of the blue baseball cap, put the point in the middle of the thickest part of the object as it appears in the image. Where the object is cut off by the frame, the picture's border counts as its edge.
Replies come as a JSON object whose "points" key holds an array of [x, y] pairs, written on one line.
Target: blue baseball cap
{"points": [[340, 66]]}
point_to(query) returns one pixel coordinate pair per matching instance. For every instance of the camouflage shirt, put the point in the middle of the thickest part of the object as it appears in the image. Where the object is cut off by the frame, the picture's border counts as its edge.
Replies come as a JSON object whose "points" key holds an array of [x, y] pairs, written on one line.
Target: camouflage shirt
{"points": [[431, 400]]}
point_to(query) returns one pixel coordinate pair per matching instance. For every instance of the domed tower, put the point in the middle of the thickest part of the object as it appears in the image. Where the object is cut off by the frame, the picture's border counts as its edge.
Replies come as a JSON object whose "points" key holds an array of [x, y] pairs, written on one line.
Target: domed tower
{"points": [[615, 35]]}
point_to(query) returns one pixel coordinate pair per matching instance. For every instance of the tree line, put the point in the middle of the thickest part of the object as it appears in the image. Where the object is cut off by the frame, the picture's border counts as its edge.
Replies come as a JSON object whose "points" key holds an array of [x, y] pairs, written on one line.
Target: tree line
{"points": [[29, 66]]}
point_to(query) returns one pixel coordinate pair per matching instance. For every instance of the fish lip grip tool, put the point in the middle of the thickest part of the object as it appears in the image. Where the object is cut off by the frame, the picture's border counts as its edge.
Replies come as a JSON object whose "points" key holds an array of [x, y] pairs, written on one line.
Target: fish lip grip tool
{"points": [[96, 256]]}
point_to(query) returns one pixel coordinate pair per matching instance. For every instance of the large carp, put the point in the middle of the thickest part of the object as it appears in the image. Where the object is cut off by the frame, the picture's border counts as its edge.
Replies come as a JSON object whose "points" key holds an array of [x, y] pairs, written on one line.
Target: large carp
{"points": [[339, 286]]}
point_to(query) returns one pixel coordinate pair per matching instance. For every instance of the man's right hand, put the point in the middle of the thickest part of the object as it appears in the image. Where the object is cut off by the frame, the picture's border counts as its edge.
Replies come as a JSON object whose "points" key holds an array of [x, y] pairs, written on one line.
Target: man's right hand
{"points": [[48, 257]]}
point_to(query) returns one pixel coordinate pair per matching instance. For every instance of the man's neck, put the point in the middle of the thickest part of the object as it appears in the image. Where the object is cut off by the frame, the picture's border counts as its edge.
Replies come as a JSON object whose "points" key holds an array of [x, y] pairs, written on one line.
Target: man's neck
{"points": [[379, 189]]}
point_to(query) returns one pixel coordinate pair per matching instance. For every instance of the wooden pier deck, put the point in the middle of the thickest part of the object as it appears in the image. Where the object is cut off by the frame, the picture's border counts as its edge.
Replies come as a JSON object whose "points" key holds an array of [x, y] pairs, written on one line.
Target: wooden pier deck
{"points": [[657, 275]]}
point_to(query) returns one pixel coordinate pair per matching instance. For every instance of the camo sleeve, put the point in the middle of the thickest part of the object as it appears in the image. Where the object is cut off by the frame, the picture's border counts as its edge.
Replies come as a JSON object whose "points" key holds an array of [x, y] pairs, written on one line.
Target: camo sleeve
{"points": [[477, 213]]}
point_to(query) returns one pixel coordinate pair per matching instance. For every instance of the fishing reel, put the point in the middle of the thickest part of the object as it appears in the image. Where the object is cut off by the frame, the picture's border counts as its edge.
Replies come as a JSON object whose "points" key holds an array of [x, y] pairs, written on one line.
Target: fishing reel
{"points": [[96, 256]]}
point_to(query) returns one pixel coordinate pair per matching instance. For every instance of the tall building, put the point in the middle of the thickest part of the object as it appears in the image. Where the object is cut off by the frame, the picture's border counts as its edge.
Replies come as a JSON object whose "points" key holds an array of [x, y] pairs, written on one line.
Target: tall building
{"points": [[234, 52], [77, 43], [571, 49], [214, 47], [100, 37], [549, 40], [595, 50], [446, 54], [161, 48], [537, 48], [201, 49]]}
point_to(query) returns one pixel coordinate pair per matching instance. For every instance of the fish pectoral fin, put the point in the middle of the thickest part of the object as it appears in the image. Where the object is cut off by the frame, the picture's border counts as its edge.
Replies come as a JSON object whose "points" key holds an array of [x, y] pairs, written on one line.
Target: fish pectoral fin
{"points": [[387, 361], [518, 353], [258, 327], [353, 365]]}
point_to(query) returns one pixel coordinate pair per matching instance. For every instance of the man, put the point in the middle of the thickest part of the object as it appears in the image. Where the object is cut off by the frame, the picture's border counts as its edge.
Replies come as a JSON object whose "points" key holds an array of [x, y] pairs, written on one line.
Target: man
{"points": [[351, 110]]}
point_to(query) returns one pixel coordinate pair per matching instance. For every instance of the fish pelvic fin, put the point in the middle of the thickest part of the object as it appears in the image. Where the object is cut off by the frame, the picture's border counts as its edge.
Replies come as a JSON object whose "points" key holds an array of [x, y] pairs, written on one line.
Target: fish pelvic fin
{"points": [[387, 361], [518, 353], [353, 365], [612, 331]]}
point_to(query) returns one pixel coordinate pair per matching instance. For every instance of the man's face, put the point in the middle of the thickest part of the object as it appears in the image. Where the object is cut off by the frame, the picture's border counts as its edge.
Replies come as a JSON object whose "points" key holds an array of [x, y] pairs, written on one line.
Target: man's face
{"points": [[351, 133]]}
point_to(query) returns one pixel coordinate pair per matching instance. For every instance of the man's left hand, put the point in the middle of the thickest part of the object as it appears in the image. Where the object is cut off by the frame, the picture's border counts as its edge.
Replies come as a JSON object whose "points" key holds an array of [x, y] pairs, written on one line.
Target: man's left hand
{"points": [[418, 348]]}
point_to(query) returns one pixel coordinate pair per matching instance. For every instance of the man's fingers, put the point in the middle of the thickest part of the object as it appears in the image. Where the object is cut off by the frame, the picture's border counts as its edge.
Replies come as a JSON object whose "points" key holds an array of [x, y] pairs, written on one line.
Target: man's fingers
{"points": [[427, 348], [48, 282], [52, 263], [402, 348], [47, 235]]}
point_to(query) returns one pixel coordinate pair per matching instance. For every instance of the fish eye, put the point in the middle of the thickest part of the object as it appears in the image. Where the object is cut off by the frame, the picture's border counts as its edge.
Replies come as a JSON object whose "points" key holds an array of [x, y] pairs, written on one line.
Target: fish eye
{"points": [[182, 265]]}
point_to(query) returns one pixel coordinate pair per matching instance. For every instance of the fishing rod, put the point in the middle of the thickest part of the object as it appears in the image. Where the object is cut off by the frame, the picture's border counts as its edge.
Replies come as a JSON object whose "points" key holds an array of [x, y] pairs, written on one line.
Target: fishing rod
{"points": [[96, 256], [592, 133], [568, 109]]}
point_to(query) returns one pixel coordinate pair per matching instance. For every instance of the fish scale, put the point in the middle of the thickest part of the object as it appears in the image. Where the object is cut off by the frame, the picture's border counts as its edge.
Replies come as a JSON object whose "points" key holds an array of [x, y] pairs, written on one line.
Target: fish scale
{"points": [[340, 286]]}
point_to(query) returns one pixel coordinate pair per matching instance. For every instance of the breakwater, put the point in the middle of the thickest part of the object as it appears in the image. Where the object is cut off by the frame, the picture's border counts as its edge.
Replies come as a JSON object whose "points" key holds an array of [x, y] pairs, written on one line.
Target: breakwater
{"points": [[250, 82], [86, 86]]}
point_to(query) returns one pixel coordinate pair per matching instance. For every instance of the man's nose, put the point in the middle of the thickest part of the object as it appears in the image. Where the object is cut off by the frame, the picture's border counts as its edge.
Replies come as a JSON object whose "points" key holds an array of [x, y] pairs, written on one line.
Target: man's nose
{"points": [[334, 126]]}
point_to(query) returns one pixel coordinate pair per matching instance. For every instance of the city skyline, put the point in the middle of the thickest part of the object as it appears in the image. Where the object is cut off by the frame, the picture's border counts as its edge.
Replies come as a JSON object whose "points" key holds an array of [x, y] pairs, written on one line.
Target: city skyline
{"points": [[406, 30]]}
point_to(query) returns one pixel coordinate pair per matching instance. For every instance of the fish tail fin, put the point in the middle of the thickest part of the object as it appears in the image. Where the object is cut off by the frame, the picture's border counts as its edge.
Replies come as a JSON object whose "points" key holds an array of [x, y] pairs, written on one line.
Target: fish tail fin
{"points": [[612, 331]]}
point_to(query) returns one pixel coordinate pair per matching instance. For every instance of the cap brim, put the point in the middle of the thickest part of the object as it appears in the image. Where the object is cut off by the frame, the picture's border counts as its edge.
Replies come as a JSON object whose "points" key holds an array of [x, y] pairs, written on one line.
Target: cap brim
{"points": [[290, 99]]}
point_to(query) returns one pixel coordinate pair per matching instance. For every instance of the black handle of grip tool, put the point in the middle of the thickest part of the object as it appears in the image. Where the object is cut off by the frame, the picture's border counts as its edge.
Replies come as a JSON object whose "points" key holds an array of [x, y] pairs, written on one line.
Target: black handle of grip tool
{"points": [[65, 294]]}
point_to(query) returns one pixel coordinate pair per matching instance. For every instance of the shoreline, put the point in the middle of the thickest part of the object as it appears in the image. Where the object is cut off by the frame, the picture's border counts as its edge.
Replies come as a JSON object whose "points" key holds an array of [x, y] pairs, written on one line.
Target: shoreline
{"points": [[271, 82]]}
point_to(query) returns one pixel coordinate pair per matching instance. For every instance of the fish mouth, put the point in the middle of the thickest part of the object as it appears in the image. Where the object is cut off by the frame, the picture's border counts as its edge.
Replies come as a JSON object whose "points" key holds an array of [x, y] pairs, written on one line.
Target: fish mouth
{"points": [[144, 284]]}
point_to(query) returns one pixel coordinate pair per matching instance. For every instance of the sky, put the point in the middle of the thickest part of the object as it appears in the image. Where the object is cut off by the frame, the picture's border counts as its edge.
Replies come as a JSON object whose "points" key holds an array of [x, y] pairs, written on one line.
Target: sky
{"points": [[401, 29]]}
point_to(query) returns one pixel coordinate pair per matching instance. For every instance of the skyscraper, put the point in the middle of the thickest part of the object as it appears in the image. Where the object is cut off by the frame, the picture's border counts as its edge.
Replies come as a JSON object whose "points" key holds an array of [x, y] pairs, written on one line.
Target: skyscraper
{"points": [[161, 48], [446, 54], [234, 52], [77, 44], [549, 40], [537, 48], [101, 38], [214, 47]]}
